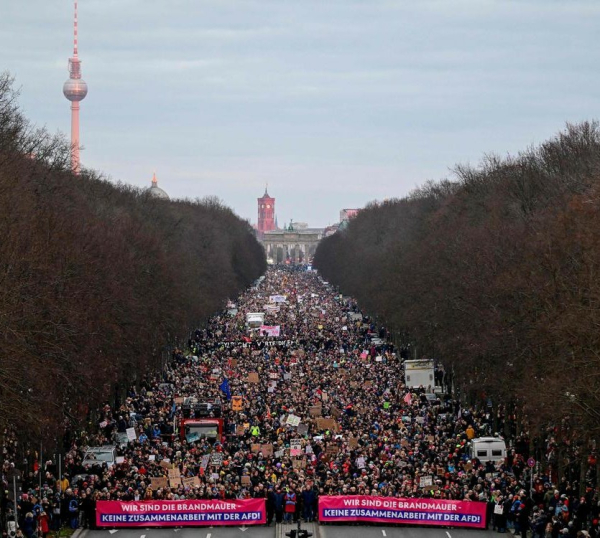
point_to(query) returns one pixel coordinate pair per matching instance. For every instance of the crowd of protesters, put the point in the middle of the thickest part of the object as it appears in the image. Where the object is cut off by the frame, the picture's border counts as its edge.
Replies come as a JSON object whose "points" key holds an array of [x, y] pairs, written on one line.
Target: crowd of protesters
{"points": [[322, 386]]}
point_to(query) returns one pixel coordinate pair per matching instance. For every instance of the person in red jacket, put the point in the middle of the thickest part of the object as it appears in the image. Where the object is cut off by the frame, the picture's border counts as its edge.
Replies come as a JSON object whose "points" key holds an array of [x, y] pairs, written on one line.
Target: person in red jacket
{"points": [[43, 524], [289, 501]]}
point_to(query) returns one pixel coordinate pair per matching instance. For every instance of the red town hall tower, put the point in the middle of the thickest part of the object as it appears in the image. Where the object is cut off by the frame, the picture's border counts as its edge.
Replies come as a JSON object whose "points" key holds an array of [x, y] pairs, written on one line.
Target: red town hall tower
{"points": [[266, 214]]}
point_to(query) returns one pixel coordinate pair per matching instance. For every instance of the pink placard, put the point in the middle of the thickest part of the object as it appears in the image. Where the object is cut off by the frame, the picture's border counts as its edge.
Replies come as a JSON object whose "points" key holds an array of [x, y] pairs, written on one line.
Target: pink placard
{"points": [[269, 330], [369, 509], [189, 513]]}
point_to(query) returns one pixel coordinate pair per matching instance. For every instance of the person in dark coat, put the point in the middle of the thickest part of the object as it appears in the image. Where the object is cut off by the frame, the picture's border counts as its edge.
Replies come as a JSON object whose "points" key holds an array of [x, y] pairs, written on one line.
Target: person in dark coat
{"points": [[270, 506], [278, 501], [29, 525], [308, 499]]}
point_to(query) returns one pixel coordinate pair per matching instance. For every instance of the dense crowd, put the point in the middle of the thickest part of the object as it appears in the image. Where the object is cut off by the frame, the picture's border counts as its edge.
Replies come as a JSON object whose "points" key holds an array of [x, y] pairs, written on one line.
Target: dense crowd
{"points": [[324, 411]]}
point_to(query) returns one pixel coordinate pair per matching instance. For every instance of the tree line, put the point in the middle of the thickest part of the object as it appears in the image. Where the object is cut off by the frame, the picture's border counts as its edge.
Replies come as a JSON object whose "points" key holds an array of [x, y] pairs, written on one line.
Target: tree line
{"points": [[96, 277], [495, 272]]}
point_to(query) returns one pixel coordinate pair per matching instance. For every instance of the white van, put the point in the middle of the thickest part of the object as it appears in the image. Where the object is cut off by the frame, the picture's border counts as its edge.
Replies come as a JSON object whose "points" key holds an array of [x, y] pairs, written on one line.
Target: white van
{"points": [[255, 319], [488, 449]]}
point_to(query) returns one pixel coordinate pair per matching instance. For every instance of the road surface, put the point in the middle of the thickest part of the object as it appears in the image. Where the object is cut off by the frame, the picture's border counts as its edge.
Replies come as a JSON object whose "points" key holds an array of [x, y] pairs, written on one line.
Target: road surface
{"points": [[324, 531]]}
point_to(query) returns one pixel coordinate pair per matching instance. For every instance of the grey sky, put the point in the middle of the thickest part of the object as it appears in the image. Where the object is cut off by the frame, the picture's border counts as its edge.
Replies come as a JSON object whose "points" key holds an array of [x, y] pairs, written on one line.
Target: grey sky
{"points": [[334, 103]]}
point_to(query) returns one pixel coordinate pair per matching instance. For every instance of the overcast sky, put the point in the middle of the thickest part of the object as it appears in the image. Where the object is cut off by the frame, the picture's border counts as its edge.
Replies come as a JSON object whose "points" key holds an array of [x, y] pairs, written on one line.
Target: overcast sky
{"points": [[333, 103]]}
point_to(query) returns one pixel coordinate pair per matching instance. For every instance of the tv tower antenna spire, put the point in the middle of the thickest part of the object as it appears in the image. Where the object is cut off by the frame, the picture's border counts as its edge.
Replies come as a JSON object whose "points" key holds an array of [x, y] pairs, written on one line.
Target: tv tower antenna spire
{"points": [[75, 89]]}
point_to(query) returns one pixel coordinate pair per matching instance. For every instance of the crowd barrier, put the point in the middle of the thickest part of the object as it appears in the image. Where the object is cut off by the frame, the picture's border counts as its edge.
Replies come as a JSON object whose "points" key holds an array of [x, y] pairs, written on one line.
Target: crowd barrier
{"points": [[180, 513], [367, 509]]}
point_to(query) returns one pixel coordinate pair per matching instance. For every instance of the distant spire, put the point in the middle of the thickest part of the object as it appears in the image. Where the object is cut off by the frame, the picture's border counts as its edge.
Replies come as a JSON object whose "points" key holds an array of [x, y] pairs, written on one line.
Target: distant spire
{"points": [[266, 188], [75, 32], [154, 180]]}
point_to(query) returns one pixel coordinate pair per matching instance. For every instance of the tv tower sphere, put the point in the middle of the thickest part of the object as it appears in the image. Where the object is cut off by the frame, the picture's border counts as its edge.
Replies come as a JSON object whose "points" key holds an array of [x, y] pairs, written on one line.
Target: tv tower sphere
{"points": [[75, 89]]}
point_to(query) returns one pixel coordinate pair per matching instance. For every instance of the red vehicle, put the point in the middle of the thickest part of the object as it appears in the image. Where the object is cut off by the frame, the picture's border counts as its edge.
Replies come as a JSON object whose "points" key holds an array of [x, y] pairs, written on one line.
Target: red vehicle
{"points": [[200, 420], [193, 429]]}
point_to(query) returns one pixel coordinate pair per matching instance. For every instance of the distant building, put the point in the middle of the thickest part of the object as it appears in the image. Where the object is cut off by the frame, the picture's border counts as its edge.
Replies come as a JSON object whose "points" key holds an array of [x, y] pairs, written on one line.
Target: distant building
{"points": [[292, 244], [266, 214], [156, 191], [347, 214]]}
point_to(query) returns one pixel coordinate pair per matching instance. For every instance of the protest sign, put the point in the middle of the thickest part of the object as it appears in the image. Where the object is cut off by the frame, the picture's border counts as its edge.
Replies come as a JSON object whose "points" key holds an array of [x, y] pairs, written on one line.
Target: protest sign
{"points": [[216, 459], [269, 330], [158, 483], [425, 481], [302, 429], [315, 411], [266, 449], [295, 447], [236, 403], [293, 420]]}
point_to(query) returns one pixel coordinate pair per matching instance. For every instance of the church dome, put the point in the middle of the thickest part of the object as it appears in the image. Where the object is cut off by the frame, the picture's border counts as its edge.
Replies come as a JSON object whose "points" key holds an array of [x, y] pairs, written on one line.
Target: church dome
{"points": [[156, 191]]}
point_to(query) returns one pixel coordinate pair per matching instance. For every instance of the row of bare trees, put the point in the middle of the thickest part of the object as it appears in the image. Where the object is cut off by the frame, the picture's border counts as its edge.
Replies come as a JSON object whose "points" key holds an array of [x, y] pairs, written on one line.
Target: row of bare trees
{"points": [[495, 273], [95, 278]]}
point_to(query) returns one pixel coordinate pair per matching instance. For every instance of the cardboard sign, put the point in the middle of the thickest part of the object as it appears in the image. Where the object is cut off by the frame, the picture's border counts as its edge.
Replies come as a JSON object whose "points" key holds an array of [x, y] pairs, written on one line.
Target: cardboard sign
{"points": [[178, 400], [299, 464], [253, 377], [255, 448], [315, 411], [360, 463], [295, 447], [131, 436], [267, 450], [166, 464], [173, 473], [240, 430], [236, 403], [216, 459], [335, 412], [246, 480], [280, 453], [174, 482], [327, 424], [205, 461], [158, 483], [353, 442], [191, 482]]}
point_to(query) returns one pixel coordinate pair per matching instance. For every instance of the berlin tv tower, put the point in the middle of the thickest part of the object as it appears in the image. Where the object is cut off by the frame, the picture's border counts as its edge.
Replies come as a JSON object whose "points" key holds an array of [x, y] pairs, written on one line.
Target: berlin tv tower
{"points": [[75, 89]]}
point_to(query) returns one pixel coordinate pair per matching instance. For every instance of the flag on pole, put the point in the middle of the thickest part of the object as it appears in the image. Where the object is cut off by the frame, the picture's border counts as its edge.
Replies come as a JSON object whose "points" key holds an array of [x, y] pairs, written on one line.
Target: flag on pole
{"points": [[224, 386]]}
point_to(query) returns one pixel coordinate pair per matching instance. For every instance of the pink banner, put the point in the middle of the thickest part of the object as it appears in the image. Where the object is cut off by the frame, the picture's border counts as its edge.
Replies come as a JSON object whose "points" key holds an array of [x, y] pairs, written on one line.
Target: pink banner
{"points": [[396, 510], [269, 330], [180, 513]]}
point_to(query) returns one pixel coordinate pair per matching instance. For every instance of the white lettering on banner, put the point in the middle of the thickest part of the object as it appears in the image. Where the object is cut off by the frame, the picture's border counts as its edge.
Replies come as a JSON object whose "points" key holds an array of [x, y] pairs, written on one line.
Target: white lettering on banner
{"points": [[406, 505], [398, 514]]}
